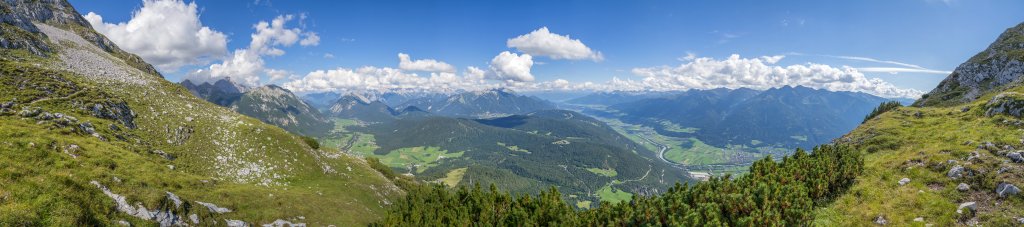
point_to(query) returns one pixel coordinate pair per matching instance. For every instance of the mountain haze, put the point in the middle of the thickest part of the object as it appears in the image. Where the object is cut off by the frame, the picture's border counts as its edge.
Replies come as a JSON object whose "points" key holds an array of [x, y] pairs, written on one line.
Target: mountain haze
{"points": [[784, 117]]}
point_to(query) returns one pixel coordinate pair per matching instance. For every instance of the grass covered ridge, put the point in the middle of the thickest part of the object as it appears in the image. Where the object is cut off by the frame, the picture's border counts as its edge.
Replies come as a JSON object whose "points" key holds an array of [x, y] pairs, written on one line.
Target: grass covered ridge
{"points": [[152, 138], [923, 144]]}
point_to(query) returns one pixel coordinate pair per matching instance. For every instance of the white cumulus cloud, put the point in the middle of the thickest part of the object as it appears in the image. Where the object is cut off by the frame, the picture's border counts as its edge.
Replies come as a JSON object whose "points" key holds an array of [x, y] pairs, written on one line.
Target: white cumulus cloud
{"points": [[511, 66], [369, 78], [277, 74], [312, 39], [165, 33], [246, 65], [512, 71], [426, 65], [762, 73], [542, 42], [271, 34]]}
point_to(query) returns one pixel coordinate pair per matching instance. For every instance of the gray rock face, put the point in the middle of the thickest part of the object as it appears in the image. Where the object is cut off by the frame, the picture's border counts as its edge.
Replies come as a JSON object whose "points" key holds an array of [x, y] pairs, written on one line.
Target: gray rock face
{"points": [[87, 128], [963, 187], [20, 14], [163, 154], [974, 156], [163, 217], [970, 206], [1007, 189], [880, 220], [174, 198], [992, 68], [904, 181], [1002, 170], [179, 135], [1015, 156], [214, 208], [72, 150], [1007, 103], [283, 223], [235, 223], [118, 111], [29, 112], [989, 146], [956, 172]]}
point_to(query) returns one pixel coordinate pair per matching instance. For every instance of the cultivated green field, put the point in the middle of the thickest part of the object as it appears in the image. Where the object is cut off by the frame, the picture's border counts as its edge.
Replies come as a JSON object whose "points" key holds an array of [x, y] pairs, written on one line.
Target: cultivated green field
{"points": [[604, 172], [453, 177], [612, 195]]}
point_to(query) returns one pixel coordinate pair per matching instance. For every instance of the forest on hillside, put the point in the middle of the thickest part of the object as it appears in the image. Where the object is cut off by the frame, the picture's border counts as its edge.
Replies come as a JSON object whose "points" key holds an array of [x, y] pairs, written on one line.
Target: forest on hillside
{"points": [[774, 193]]}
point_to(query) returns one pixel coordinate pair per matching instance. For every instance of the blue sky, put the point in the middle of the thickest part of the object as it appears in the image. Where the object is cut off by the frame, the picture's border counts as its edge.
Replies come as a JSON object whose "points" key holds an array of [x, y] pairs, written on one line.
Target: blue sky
{"points": [[934, 35]]}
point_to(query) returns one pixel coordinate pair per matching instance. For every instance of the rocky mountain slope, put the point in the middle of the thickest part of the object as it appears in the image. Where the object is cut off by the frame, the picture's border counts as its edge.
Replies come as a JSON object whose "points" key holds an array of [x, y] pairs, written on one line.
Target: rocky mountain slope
{"points": [[479, 104], [223, 92], [92, 135], [278, 106], [360, 108], [956, 161], [270, 103], [999, 66]]}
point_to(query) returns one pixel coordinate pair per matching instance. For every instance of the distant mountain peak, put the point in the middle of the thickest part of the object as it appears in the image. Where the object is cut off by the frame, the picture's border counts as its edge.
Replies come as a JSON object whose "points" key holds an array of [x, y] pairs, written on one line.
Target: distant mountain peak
{"points": [[480, 104], [358, 107]]}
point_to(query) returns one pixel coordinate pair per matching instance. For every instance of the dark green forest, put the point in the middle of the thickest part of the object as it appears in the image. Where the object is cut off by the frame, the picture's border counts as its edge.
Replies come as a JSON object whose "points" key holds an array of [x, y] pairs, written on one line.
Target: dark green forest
{"points": [[555, 152], [773, 194]]}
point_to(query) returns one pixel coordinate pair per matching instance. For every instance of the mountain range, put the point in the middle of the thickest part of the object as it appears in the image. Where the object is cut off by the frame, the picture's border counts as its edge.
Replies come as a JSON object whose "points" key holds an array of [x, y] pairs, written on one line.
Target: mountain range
{"points": [[480, 104], [782, 117], [270, 103], [222, 92], [361, 108]]}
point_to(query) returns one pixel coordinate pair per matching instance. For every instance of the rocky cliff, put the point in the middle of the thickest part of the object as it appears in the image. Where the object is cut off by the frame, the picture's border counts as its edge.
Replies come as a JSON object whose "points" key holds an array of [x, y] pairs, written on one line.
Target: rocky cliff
{"points": [[998, 67]]}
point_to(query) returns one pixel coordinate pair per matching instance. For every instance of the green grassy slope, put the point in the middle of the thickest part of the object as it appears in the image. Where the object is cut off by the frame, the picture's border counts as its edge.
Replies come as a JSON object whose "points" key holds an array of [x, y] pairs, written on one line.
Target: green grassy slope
{"points": [[924, 144], [152, 137]]}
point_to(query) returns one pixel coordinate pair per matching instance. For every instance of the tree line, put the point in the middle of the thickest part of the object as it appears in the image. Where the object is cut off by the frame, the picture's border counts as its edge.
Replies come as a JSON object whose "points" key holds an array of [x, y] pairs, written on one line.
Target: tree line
{"points": [[882, 108], [773, 193]]}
